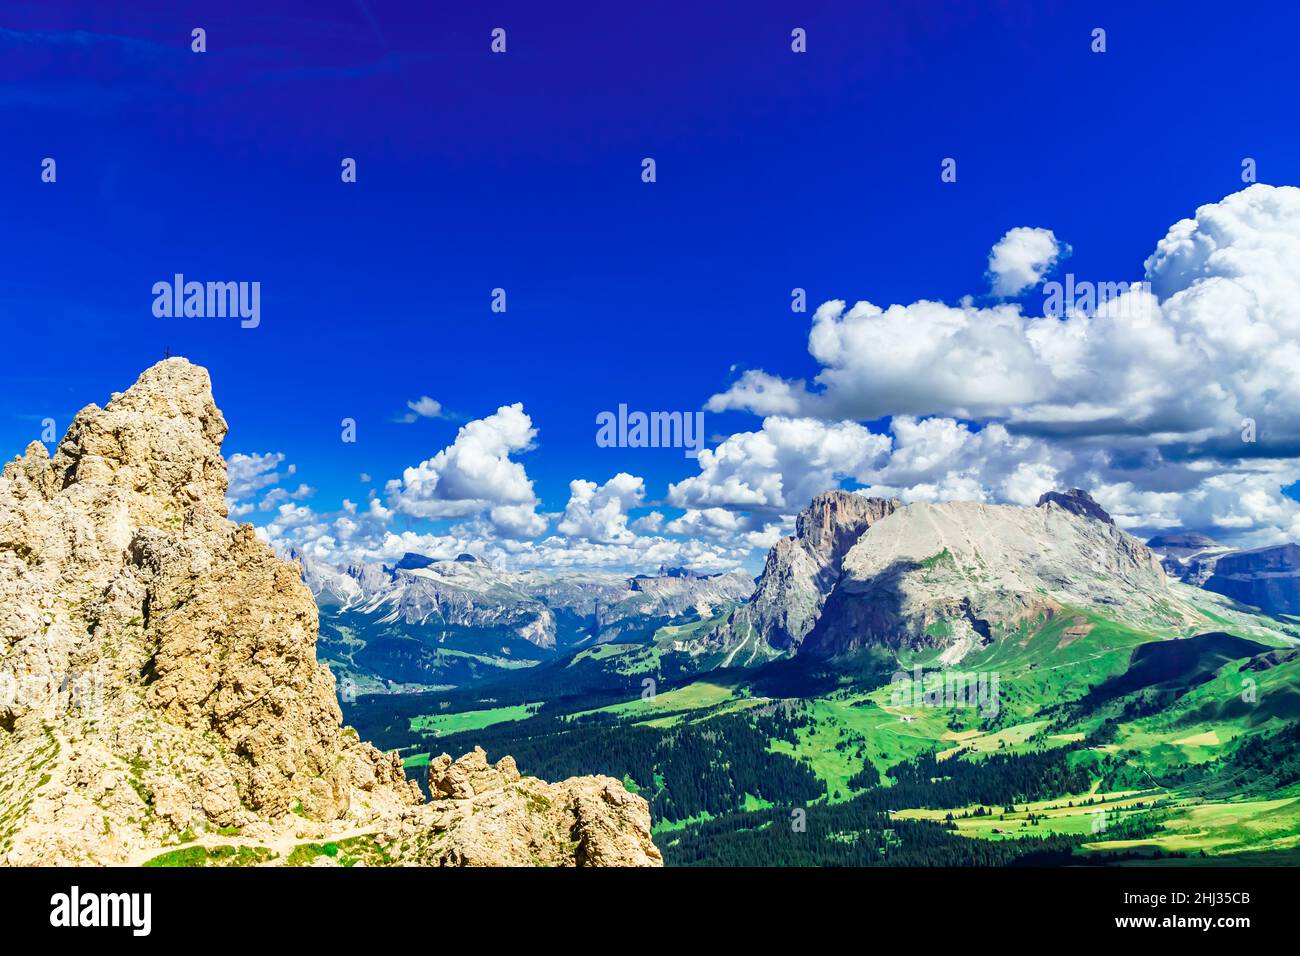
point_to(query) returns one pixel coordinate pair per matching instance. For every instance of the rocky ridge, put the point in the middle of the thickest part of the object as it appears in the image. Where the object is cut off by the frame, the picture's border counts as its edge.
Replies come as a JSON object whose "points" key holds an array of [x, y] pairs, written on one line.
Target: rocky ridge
{"points": [[469, 594], [159, 685]]}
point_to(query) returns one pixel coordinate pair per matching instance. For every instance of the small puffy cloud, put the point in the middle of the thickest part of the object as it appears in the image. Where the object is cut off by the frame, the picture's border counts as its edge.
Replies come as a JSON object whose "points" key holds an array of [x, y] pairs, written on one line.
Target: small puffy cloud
{"points": [[710, 523], [474, 474], [299, 522], [422, 407], [277, 496], [249, 474], [517, 521], [599, 512], [1021, 258], [724, 527], [760, 393]]}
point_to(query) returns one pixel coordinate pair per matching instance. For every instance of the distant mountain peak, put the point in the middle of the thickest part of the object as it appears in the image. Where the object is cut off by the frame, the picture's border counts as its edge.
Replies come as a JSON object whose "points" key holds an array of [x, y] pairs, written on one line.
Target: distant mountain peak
{"points": [[1268, 577], [1186, 540], [678, 572], [959, 574]]}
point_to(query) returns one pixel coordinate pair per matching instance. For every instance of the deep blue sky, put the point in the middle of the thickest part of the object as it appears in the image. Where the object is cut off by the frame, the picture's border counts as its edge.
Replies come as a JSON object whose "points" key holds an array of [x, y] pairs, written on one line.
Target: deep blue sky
{"points": [[523, 171]]}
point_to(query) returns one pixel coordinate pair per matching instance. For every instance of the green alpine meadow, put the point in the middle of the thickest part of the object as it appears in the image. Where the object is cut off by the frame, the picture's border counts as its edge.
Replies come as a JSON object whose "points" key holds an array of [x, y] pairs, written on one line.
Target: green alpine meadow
{"points": [[1042, 688]]}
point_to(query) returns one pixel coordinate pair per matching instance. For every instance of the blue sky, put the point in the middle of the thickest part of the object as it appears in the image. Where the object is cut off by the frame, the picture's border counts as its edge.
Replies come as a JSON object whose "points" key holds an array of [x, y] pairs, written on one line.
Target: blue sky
{"points": [[522, 171]]}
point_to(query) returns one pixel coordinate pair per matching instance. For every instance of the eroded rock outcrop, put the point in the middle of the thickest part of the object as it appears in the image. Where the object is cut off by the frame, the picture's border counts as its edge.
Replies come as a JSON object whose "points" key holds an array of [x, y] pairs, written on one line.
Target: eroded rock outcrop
{"points": [[488, 815], [159, 683]]}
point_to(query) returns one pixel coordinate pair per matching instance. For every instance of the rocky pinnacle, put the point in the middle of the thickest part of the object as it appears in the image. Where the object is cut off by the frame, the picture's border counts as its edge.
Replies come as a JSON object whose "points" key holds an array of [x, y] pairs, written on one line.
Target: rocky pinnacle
{"points": [[159, 685]]}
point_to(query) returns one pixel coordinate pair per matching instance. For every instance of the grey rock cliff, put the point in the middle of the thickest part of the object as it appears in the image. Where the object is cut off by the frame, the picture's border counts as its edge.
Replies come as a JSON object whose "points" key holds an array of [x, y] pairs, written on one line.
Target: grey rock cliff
{"points": [[801, 571]]}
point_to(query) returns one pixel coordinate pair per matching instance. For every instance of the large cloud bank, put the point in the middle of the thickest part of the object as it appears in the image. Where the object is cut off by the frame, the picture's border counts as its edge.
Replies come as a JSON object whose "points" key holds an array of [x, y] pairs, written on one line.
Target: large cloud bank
{"points": [[1176, 401]]}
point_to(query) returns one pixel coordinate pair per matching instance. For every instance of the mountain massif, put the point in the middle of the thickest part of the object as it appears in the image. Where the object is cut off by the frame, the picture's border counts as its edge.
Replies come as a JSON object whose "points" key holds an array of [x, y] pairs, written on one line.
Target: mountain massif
{"points": [[954, 576], [961, 574], [160, 696], [1267, 578]]}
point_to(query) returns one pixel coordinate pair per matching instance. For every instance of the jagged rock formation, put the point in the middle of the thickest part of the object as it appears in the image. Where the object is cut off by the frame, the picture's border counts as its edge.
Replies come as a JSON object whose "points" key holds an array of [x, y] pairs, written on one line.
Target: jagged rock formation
{"points": [[490, 816], [158, 678], [960, 574], [1182, 544], [1077, 501]]}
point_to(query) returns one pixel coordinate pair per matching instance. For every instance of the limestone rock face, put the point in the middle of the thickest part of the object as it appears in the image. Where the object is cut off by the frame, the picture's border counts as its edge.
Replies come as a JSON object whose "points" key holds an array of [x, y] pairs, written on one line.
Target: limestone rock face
{"points": [[961, 574], [802, 570], [158, 676]]}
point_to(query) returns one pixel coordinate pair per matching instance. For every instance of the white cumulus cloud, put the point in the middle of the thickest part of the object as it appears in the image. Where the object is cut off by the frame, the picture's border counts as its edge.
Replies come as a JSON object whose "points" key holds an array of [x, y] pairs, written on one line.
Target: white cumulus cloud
{"points": [[779, 467], [599, 512], [1021, 258], [422, 407], [475, 474]]}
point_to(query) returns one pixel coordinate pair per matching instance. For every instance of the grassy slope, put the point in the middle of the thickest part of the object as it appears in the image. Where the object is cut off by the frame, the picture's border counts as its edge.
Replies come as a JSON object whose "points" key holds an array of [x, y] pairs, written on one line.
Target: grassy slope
{"points": [[1045, 664]]}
